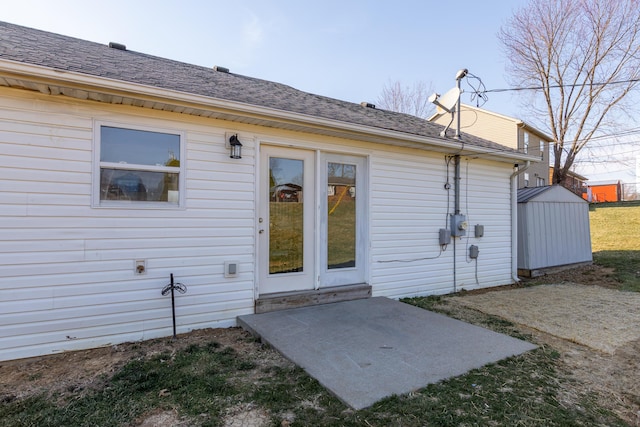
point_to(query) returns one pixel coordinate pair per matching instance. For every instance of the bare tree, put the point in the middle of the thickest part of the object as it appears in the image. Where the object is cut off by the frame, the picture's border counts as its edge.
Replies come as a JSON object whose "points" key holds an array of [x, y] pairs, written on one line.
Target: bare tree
{"points": [[583, 56], [406, 99]]}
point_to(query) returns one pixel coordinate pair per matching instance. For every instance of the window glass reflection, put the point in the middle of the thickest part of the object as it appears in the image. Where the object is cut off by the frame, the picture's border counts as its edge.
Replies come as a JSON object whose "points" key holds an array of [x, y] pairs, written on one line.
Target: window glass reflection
{"points": [[341, 215], [286, 215]]}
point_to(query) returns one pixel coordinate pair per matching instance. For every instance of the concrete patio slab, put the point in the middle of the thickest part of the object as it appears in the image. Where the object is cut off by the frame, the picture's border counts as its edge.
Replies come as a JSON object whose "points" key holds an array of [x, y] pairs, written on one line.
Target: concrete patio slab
{"points": [[365, 350]]}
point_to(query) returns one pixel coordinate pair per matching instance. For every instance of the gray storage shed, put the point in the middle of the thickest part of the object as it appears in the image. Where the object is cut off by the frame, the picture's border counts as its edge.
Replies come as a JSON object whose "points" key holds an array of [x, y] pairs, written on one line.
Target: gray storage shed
{"points": [[553, 230]]}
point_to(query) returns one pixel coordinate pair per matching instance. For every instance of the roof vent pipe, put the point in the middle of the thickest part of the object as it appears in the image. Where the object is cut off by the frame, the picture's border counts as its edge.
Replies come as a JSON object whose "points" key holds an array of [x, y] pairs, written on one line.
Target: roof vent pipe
{"points": [[368, 105], [221, 69], [119, 46]]}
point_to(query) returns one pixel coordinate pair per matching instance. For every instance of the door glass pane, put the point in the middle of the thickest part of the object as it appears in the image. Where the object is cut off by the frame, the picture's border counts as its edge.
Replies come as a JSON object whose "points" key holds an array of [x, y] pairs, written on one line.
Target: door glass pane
{"points": [[285, 215], [341, 215]]}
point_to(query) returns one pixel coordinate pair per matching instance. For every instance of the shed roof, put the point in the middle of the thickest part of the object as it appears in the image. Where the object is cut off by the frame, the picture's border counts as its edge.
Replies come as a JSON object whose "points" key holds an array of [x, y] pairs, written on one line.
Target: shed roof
{"points": [[75, 56], [526, 194], [548, 193]]}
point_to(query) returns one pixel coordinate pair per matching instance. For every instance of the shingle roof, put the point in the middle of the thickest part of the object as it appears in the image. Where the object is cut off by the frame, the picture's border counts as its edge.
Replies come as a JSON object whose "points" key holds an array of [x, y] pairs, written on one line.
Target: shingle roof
{"points": [[526, 194], [60, 52]]}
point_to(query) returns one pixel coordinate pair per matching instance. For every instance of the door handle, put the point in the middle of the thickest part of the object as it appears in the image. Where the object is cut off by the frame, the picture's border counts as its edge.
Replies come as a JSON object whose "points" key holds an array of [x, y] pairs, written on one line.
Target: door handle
{"points": [[261, 231]]}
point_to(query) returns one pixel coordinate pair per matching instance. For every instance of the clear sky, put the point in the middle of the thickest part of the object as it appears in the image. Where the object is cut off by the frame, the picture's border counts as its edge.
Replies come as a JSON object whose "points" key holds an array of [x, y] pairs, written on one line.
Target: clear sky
{"points": [[345, 49]]}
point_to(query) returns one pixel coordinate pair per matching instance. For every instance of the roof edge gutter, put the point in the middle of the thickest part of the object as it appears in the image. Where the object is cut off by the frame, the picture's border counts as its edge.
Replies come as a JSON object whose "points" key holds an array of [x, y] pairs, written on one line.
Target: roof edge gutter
{"points": [[46, 75], [524, 126]]}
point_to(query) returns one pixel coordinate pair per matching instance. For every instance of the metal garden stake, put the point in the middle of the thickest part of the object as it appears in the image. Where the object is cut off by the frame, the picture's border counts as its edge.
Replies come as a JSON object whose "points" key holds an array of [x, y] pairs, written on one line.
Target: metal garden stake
{"points": [[169, 288]]}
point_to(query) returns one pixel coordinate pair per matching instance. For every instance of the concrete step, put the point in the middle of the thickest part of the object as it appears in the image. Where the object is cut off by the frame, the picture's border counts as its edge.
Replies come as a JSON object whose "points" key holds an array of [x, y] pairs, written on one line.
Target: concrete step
{"points": [[286, 300]]}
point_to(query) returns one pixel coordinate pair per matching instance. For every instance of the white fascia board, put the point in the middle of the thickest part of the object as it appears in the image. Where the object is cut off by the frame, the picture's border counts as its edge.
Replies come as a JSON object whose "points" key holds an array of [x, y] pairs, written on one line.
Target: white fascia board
{"points": [[46, 75], [535, 131]]}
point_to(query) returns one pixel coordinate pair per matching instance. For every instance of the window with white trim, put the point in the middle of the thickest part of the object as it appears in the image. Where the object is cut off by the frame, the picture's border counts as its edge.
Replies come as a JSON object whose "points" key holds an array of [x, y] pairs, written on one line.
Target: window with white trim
{"points": [[139, 165]]}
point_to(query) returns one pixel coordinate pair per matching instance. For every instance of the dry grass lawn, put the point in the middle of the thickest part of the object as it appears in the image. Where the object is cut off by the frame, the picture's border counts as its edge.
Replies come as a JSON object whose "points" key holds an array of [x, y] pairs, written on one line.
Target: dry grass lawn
{"points": [[615, 228]]}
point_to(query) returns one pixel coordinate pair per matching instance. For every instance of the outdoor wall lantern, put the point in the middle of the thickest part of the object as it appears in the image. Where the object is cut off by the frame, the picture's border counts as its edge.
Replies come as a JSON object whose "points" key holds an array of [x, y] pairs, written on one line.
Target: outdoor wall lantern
{"points": [[235, 147]]}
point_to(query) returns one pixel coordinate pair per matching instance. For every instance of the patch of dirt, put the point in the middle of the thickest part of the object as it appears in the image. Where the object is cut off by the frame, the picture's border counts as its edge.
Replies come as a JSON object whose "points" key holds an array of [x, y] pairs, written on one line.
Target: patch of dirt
{"points": [[578, 313], [586, 275], [162, 418], [246, 415], [612, 378], [76, 373], [595, 328]]}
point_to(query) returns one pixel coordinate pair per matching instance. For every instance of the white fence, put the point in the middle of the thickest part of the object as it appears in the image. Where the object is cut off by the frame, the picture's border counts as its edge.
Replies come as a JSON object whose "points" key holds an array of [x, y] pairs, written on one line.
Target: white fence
{"points": [[630, 191]]}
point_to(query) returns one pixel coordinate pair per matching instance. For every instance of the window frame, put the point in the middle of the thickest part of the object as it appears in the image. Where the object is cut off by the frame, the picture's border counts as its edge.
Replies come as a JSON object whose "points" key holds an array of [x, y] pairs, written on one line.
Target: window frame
{"points": [[525, 141], [97, 202]]}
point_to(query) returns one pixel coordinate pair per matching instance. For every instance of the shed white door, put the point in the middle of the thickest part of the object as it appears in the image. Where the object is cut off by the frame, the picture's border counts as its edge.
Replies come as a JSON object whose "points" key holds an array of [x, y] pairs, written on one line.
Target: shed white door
{"points": [[286, 222]]}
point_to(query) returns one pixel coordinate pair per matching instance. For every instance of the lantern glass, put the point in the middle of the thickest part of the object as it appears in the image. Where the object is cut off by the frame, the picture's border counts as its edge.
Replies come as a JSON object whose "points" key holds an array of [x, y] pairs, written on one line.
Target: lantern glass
{"points": [[236, 152], [235, 147]]}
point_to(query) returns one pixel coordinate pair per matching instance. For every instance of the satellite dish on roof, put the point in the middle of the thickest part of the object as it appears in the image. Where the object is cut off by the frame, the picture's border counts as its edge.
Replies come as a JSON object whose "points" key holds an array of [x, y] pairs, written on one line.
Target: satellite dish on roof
{"points": [[447, 102]]}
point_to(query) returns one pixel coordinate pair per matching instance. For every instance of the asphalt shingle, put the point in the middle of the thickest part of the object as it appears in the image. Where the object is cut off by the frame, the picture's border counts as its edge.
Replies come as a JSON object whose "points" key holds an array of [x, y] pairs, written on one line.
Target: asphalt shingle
{"points": [[60, 52]]}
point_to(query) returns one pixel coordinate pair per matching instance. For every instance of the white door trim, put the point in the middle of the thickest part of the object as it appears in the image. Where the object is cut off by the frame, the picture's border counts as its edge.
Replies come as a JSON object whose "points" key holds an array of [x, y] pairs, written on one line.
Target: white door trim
{"points": [[297, 280], [358, 273]]}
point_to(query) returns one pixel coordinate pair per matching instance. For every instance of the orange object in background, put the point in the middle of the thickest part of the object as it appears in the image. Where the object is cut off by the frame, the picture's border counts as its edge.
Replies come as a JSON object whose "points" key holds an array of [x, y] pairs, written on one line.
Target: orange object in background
{"points": [[600, 193]]}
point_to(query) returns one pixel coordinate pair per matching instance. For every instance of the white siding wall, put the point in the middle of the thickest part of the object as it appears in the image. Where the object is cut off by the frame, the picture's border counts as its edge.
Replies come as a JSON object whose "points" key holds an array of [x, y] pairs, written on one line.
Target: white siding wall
{"points": [[408, 207], [67, 276], [484, 125], [505, 131], [67, 270]]}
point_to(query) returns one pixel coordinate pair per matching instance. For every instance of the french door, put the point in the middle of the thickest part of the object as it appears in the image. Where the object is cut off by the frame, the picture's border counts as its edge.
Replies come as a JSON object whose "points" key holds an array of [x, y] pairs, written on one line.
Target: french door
{"points": [[343, 220], [286, 220], [311, 220]]}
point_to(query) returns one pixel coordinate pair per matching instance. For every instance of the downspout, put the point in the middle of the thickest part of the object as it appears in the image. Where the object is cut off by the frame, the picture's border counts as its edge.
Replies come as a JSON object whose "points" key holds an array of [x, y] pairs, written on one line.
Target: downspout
{"points": [[459, 76], [456, 190], [514, 219]]}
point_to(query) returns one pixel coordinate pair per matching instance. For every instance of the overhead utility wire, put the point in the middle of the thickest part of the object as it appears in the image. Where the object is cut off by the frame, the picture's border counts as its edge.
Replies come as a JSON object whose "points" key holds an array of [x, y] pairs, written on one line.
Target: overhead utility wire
{"points": [[479, 91], [517, 89], [613, 145], [634, 150], [632, 131]]}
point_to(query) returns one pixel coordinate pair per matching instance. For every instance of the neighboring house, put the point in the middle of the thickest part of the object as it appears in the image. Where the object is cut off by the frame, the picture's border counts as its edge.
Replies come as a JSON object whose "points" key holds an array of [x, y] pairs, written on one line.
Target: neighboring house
{"points": [[553, 230], [117, 173], [599, 192], [573, 181], [507, 131]]}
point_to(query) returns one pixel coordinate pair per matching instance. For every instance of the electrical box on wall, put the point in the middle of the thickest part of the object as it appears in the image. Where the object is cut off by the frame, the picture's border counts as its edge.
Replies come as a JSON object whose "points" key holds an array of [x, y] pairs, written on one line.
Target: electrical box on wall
{"points": [[445, 236], [458, 225], [479, 230], [231, 269], [473, 252]]}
